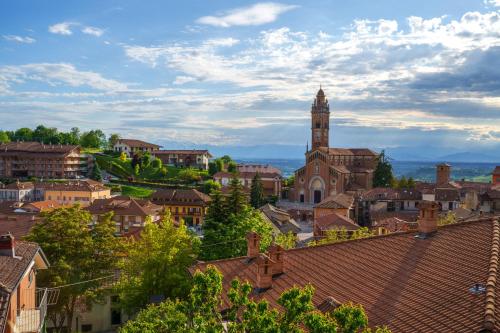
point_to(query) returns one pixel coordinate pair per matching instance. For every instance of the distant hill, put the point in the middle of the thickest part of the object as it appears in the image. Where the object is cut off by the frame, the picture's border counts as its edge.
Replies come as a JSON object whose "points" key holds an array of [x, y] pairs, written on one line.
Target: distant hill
{"points": [[470, 157]]}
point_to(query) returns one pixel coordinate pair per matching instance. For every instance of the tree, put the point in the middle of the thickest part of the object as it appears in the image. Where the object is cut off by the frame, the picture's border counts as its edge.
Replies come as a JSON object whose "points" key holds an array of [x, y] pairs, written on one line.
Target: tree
{"points": [[201, 312], [287, 241], [123, 156], [220, 164], [96, 173], [212, 168], [4, 138], [211, 185], [403, 183], [341, 235], [93, 139], [145, 160], [23, 134], [257, 192], [113, 140], [137, 170], [76, 254], [157, 163], [226, 159], [232, 167], [411, 182], [157, 264], [189, 175], [383, 177], [237, 200], [449, 218]]}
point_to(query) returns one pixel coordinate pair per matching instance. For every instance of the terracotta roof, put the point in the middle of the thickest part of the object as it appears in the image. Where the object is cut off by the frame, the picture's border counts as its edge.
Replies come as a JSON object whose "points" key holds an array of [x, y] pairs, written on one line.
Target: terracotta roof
{"points": [[88, 185], [123, 205], [407, 283], [340, 200], [12, 270], [180, 196], [138, 143], [18, 186], [280, 219], [491, 194], [382, 193], [182, 152], [351, 151], [35, 147], [395, 224], [19, 225], [447, 194], [404, 215], [335, 221], [41, 206], [247, 175]]}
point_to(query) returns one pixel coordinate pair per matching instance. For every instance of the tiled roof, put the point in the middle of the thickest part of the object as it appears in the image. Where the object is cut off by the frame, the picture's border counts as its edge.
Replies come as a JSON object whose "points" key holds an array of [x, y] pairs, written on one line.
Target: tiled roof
{"points": [[12, 270], [340, 200], [138, 143], [447, 194], [247, 175], [19, 225], [407, 283], [123, 205], [18, 186], [394, 224], [491, 194], [180, 196], [280, 219], [405, 215], [349, 151], [73, 185], [182, 152], [35, 147], [335, 221], [382, 193], [41, 206]]}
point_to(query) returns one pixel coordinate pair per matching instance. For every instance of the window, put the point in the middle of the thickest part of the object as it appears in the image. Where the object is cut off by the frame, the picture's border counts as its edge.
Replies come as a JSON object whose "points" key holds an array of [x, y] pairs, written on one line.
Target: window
{"points": [[301, 197], [86, 327], [116, 317]]}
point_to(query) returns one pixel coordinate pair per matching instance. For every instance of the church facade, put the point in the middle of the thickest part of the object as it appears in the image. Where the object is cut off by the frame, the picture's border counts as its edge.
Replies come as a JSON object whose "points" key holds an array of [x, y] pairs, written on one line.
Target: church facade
{"points": [[329, 171]]}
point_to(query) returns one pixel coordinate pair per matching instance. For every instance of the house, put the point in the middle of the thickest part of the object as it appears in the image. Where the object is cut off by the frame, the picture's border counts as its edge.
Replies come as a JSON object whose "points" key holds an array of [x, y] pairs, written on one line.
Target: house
{"points": [[22, 305], [17, 191], [341, 203], [131, 147], [490, 201], [271, 181], [35, 159], [279, 219], [260, 168], [189, 205], [71, 192], [333, 221], [127, 212], [416, 281], [184, 158]]}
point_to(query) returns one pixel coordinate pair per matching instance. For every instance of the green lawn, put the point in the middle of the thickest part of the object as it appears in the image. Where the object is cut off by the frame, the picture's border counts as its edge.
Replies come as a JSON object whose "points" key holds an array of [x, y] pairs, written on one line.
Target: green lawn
{"points": [[136, 192], [91, 150]]}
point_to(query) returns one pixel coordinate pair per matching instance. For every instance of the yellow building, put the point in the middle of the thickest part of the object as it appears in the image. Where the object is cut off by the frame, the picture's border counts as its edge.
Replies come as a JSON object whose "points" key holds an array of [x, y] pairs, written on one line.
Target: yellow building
{"points": [[187, 204], [71, 192]]}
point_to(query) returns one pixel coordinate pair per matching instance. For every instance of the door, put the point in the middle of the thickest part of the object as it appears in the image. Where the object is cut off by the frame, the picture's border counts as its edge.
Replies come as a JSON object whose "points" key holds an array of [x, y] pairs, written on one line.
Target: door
{"points": [[317, 196]]}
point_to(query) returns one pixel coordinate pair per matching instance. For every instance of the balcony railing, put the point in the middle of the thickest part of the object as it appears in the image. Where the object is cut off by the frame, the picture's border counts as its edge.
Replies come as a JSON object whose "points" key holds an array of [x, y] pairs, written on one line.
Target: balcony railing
{"points": [[31, 320]]}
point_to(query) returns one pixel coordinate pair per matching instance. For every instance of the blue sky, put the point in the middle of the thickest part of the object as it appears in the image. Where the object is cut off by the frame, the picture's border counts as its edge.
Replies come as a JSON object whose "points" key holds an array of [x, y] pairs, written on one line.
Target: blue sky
{"points": [[405, 75]]}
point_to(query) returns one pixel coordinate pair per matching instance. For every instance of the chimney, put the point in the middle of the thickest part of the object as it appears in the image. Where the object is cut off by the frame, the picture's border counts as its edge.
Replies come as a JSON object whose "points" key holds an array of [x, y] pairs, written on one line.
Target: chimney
{"points": [[253, 244], [7, 245], [428, 219], [264, 272], [276, 253]]}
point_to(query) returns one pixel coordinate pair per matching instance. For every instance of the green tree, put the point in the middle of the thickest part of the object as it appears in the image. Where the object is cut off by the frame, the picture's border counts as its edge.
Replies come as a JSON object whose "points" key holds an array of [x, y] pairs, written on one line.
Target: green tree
{"points": [[411, 182], [237, 200], [212, 168], [76, 254], [157, 163], [232, 167], [113, 140], [403, 182], [189, 175], [137, 170], [287, 241], [211, 185], [96, 173], [201, 312], [146, 160], [23, 134], [220, 164], [257, 192], [4, 137], [93, 139], [341, 235], [226, 159], [383, 177], [123, 156], [449, 218], [157, 264]]}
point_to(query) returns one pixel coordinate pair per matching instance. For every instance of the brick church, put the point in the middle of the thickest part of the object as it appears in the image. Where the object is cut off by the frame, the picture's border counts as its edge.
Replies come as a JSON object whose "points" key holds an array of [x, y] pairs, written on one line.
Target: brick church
{"points": [[329, 171]]}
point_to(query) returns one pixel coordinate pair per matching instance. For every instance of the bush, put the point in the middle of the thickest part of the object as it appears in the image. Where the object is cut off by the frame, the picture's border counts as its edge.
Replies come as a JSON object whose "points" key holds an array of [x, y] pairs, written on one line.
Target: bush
{"points": [[157, 164]]}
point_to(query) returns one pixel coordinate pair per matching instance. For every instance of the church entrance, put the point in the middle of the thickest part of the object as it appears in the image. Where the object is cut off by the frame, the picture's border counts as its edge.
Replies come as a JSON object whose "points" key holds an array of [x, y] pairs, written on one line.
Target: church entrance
{"points": [[317, 196]]}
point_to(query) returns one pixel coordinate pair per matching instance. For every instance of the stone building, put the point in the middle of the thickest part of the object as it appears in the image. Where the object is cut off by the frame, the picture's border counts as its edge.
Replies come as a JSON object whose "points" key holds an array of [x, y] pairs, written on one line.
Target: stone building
{"points": [[184, 158], [329, 171]]}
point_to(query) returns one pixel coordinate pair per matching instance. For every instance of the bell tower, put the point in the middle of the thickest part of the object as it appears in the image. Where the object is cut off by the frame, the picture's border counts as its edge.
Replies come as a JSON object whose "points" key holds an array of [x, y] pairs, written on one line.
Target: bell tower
{"points": [[320, 120]]}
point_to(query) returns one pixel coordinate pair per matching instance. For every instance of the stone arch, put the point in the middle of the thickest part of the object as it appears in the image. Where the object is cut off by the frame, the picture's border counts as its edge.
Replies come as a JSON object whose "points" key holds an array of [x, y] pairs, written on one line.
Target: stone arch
{"points": [[317, 189]]}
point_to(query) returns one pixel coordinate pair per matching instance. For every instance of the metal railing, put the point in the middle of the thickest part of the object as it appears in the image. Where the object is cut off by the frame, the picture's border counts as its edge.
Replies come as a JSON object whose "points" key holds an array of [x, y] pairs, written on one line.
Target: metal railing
{"points": [[32, 319]]}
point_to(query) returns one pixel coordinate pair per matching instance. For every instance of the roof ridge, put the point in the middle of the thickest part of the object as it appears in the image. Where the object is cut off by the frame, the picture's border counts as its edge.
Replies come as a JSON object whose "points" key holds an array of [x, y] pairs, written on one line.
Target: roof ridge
{"points": [[489, 313]]}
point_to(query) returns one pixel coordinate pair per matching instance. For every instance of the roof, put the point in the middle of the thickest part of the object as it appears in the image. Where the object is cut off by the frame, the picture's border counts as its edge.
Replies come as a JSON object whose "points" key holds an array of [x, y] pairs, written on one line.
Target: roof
{"points": [[335, 221], [19, 225], [497, 170], [350, 151], [447, 194], [280, 219], [247, 174], [404, 215], [180, 196], [88, 185], [182, 152], [137, 143], [407, 283], [12, 269], [18, 186], [123, 205], [35, 147], [395, 224], [383, 193], [491, 194], [41, 206], [340, 200]]}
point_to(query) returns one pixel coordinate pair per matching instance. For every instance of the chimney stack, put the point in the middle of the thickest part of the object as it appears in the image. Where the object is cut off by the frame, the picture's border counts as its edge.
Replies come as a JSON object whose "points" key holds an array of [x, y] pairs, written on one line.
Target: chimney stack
{"points": [[253, 244], [264, 272], [7, 245], [428, 219], [276, 254]]}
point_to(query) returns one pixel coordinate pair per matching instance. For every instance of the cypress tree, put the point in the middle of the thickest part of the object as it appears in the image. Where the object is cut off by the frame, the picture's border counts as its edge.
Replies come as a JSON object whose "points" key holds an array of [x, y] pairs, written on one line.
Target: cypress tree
{"points": [[257, 192]]}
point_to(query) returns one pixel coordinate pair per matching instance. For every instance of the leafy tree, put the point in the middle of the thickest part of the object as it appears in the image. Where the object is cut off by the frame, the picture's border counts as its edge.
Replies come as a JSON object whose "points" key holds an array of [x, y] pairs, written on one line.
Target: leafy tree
{"points": [[23, 134], [237, 200], [411, 182], [136, 160], [383, 177], [4, 137], [46, 135], [211, 185], [226, 159], [76, 254], [220, 164], [201, 312], [287, 241], [157, 163], [157, 264], [96, 173], [123, 156], [212, 168], [290, 181], [232, 167], [163, 171], [257, 192], [341, 235], [93, 139], [403, 183], [113, 140], [189, 175], [146, 160]]}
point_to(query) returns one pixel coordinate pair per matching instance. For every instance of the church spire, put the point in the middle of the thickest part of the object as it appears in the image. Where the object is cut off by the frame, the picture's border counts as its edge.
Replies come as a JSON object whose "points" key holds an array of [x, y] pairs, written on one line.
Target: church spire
{"points": [[320, 120]]}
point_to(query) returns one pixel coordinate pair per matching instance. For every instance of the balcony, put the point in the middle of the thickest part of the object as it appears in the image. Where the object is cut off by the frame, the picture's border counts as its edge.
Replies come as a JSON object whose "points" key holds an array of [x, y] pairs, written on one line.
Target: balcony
{"points": [[31, 320]]}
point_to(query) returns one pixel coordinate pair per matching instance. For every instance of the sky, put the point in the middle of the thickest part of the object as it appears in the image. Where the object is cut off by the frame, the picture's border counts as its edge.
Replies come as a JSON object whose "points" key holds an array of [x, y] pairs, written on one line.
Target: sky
{"points": [[419, 77]]}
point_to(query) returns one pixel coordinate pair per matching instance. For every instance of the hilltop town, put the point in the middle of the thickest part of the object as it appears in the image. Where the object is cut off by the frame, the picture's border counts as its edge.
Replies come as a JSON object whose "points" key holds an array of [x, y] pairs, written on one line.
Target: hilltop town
{"points": [[417, 256]]}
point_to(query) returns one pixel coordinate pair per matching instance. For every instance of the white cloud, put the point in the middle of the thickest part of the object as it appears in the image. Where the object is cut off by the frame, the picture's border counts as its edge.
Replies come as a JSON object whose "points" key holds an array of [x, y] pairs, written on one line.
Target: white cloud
{"points": [[63, 28], [19, 39], [495, 3], [257, 14], [184, 79], [93, 31]]}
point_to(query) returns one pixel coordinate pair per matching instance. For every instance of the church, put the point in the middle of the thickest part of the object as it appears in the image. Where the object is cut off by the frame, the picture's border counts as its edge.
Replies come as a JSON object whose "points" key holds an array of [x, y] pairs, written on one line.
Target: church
{"points": [[329, 171]]}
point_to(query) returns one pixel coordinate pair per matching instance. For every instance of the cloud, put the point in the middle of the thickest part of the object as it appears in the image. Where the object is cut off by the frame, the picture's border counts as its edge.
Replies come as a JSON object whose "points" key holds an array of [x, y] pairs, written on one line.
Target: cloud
{"points": [[183, 79], [19, 39], [63, 28], [257, 14], [93, 31], [495, 3]]}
